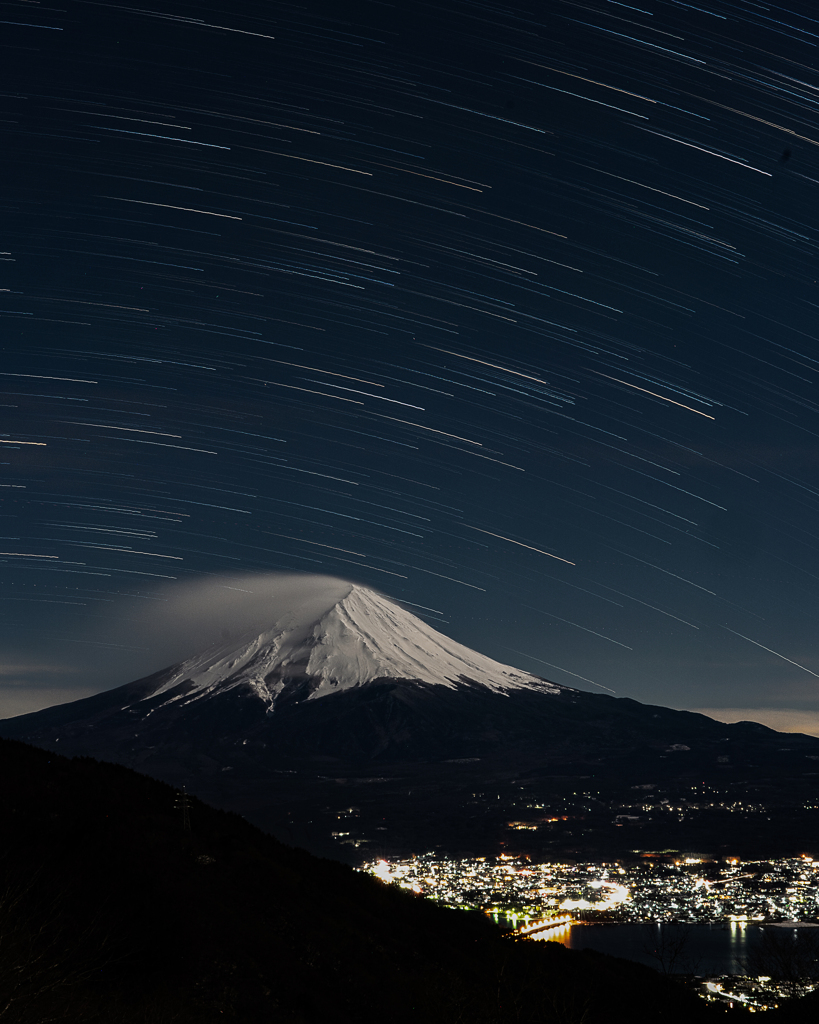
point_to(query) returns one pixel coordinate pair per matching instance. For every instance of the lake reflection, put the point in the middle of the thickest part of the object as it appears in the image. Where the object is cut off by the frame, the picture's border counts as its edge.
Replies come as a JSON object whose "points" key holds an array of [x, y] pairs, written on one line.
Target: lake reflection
{"points": [[685, 949]]}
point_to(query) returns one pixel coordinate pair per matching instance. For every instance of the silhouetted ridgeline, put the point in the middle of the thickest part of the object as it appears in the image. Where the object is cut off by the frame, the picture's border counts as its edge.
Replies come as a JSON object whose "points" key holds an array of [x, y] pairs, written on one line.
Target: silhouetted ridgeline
{"points": [[113, 912]]}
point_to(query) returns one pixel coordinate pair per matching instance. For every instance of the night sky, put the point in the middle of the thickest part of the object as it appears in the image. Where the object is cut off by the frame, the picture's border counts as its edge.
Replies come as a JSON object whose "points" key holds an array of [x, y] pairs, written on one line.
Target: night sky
{"points": [[508, 311]]}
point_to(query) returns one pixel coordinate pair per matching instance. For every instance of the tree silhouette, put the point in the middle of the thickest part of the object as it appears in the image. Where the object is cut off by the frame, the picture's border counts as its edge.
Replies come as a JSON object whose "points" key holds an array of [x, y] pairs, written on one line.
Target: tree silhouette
{"points": [[43, 952], [667, 947], [788, 957]]}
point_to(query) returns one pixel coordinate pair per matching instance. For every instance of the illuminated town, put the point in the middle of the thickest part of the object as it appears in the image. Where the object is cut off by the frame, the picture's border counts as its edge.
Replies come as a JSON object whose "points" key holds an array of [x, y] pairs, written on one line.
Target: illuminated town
{"points": [[543, 901], [688, 888]]}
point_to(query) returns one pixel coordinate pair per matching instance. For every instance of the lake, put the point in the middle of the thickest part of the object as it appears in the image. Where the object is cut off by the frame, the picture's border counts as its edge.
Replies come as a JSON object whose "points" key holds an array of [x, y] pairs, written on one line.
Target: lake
{"points": [[708, 949]]}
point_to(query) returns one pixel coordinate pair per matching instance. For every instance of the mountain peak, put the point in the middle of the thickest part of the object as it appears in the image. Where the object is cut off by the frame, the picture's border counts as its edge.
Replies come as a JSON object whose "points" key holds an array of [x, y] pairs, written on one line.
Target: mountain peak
{"points": [[359, 635]]}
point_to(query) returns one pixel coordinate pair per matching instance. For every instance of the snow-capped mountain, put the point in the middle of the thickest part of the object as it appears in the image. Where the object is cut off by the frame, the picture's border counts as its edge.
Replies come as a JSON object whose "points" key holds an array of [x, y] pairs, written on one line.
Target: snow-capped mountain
{"points": [[349, 706], [347, 674], [362, 636]]}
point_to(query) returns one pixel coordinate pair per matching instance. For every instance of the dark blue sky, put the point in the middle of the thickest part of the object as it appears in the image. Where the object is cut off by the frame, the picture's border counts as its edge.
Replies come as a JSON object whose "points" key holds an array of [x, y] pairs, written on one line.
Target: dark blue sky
{"points": [[508, 311]]}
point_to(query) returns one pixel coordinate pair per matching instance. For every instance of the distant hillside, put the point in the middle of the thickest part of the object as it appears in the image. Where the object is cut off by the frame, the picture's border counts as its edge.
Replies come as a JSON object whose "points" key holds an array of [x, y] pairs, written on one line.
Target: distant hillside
{"points": [[112, 911], [433, 766]]}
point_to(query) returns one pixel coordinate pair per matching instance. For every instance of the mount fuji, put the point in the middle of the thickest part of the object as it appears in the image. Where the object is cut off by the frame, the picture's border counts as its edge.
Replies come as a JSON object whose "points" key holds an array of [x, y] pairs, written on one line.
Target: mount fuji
{"points": [[311, 685], [361, 637], [349, 708]]}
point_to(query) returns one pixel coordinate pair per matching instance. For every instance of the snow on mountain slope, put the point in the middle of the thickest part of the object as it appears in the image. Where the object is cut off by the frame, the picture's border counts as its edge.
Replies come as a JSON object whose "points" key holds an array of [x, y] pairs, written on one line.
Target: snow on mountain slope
{"points": [[361, 636]]}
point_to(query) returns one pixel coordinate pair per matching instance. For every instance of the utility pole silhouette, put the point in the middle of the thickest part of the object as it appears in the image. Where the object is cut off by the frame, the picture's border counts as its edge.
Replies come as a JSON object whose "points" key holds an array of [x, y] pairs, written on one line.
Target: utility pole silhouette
{"points": [[183, 803]]}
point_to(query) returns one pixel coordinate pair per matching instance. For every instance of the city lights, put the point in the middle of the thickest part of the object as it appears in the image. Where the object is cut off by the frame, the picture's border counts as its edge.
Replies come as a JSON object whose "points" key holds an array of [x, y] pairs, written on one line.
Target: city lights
{"points": [[688, 888]]}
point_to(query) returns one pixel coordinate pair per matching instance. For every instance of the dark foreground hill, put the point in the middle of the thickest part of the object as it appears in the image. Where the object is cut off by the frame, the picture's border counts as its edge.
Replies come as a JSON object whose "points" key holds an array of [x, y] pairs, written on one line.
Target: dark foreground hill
{"points": [[112, 911]]}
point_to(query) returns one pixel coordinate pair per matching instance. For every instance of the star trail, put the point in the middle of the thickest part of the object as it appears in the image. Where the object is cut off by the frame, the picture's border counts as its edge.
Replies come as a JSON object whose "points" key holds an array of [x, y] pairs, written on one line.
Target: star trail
{"points": [[508, 311]]}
